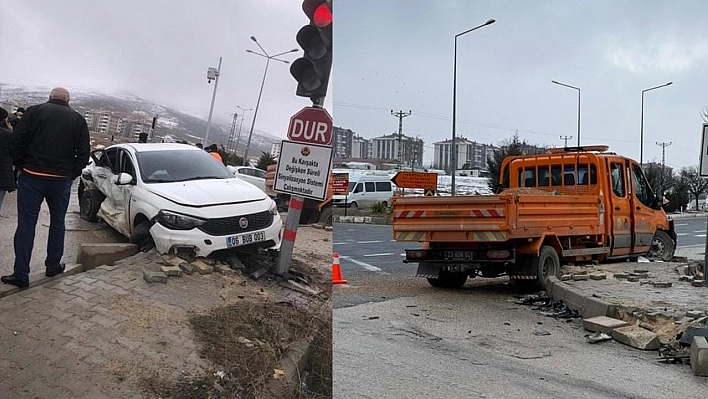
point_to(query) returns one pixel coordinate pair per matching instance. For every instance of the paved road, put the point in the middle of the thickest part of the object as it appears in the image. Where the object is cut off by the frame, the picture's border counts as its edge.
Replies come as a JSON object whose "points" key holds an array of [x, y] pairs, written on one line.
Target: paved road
{"points": [[690, 231], [397, 337]]}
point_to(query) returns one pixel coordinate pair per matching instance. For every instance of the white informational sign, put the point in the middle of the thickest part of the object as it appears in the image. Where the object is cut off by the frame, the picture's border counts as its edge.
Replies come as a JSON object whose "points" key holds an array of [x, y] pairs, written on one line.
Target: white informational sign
{"points": [[303, 170], [703, 162]]}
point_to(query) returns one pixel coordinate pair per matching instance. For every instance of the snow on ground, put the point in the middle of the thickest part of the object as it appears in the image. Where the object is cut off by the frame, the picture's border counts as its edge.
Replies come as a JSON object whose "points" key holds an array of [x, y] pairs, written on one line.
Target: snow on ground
{"points": [[464, 185]]}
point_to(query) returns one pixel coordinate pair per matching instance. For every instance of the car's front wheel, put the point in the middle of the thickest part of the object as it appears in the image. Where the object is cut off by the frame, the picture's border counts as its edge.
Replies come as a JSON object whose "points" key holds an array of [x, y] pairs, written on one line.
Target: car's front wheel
{"points": [[141, 235], [90, 204]]}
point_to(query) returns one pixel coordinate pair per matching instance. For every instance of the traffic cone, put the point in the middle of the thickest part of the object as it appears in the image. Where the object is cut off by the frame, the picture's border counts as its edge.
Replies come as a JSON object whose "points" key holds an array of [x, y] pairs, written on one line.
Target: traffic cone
{"points": [[336, 272]]}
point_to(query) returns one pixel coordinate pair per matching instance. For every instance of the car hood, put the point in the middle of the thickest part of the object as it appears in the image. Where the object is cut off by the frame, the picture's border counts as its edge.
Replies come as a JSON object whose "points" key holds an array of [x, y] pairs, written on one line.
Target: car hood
{"points": [[207, 192]]}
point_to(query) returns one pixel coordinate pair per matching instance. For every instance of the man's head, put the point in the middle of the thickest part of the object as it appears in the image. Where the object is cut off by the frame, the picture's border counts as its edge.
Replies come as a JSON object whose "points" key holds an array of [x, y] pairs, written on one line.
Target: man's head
{"points": [[3, 115], [59, 93], [213, 148], [20, 111], [199, 145]]}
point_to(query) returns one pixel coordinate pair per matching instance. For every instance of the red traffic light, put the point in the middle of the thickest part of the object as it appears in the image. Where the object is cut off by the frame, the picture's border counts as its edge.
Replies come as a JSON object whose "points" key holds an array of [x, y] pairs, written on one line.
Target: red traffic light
{"points": [[322, 17]]}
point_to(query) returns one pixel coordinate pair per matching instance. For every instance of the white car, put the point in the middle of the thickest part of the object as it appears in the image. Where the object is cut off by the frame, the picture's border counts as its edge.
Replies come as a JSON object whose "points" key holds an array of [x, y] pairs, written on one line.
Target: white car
{"points": [[180, 196], [250, 174]]}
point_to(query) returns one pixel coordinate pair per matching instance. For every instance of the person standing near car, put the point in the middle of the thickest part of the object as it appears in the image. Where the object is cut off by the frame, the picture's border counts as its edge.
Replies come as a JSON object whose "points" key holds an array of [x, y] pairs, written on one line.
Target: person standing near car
{"points": [[7, 174], [49, 148]]}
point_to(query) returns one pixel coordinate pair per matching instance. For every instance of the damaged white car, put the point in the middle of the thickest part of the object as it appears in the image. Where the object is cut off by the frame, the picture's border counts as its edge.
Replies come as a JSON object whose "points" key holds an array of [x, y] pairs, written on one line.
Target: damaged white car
{"points": [[180, 197]]}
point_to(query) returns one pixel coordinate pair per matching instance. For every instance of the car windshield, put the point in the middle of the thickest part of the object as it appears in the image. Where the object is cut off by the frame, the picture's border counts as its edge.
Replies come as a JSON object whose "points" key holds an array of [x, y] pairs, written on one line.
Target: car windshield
{"points": [[179, 165]]}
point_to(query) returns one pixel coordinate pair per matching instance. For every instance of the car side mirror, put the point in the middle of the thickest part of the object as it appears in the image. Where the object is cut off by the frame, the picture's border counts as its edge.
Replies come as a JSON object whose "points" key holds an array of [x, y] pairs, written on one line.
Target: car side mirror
{"points": [[123, 179]]}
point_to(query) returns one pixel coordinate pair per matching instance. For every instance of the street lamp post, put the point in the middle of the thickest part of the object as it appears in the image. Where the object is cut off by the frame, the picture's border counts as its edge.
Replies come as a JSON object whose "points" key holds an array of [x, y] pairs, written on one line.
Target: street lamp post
{"points": [[641, 123], [255, 113], [578, 89], [453, 156], [212, 74], [243, 117]]}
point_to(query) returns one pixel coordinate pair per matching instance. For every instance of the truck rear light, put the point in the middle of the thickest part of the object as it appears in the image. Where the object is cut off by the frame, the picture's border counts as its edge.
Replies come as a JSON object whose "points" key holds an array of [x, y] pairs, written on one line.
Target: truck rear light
{"points": [[418, 255], [498, 254]]}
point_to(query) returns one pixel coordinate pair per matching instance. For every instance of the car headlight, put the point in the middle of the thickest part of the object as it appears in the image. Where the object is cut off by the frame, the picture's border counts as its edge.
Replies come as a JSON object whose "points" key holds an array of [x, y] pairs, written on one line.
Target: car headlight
{"points": [[177, 221], [273, 208]]}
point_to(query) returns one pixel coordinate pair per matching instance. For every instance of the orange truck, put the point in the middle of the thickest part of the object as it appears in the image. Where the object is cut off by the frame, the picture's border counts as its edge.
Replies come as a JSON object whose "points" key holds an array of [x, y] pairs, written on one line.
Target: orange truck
{"points": [[578, 204], [312, 211]]}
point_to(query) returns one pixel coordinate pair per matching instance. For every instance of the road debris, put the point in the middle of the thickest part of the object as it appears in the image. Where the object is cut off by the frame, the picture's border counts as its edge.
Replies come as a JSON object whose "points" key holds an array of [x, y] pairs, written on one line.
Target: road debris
{"points": [[598, 337]]}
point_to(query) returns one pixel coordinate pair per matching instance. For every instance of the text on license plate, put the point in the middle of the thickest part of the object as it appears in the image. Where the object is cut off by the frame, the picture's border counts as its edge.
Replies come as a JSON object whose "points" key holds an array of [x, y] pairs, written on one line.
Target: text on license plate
{"points": [[245, 239], [459, 255]]}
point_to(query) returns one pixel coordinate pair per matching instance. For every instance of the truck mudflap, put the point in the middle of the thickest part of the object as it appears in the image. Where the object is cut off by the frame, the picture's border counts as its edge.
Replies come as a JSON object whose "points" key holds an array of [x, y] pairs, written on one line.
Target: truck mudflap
{"points": [[428, 270]]}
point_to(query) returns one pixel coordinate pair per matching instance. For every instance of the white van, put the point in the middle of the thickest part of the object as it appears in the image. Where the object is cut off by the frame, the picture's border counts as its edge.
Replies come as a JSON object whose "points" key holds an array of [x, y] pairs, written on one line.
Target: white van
{"points": [[365, 189]]}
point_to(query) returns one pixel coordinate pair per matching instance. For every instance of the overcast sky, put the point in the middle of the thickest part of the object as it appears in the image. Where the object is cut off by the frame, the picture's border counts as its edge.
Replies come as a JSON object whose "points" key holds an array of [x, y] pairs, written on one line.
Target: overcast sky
{"points": [[398, 55], [159, 50]]}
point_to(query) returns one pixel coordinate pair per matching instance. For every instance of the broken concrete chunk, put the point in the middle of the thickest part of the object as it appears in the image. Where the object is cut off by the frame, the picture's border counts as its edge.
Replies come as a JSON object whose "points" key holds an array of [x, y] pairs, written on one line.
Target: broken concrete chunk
{"points": [[259, 273], [225, 270], [633, 279], [603, 324], [173, 271], [682, 270], [187, 268], [694, 314], [328, 228], [566, 277], [686, 278], [621, 276], [699, 356], [598, 276], [580, 277], [155, 277], [636, 337], [203, 268], [661, 284], [697, 283]]}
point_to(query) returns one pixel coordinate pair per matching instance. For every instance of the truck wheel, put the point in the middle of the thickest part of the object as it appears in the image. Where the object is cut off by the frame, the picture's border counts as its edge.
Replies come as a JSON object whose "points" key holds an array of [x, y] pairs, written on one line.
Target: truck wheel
{"points": [[449, 279], [90, 203], [662, 247], [548, 265]]}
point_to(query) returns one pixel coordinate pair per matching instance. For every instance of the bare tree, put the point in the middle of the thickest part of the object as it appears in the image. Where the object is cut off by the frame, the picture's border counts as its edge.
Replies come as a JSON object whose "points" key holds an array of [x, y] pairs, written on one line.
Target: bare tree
{"points": [[659, 178], [694, 182], [508, 148]]}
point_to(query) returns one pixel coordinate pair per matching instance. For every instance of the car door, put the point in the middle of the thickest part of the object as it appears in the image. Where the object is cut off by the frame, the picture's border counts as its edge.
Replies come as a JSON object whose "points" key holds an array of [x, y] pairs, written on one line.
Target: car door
{"points": [[619, 207], [123, 192], [642, 198]]}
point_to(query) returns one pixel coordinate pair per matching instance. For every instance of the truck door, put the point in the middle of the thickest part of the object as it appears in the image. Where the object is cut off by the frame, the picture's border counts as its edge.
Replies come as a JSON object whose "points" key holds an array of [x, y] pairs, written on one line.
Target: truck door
{"points": [[643, 215], [619, 207]]}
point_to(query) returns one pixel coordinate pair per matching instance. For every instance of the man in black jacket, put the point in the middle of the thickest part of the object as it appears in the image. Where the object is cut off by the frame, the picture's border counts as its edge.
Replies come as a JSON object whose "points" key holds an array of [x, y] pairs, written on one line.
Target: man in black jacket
{"points": [[50, 147], [7, 176]]}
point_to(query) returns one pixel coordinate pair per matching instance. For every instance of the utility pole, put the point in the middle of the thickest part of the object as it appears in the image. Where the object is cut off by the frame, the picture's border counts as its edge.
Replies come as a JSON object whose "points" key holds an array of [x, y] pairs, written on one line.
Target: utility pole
{"points": [[663, 146], [566, 138], [400, 115], [230, 143]]}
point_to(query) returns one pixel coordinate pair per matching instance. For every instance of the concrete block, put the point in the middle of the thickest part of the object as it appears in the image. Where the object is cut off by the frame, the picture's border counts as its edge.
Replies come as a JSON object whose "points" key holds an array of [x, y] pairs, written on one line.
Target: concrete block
{"points": [[699, 356], [560, 289], [596, 307], [154, 277], [636, 337], [697, 283], [202, 267], [694, 314], [92, 255], [329, 228], [682, 270], [632, 279], [603, 324], [621, 276], [580, 277], [661, 284], [224, 269], [172, 271], [598, 276], [187, 268], [574, 299], [566, 277], [687, 279], [550, 282]]}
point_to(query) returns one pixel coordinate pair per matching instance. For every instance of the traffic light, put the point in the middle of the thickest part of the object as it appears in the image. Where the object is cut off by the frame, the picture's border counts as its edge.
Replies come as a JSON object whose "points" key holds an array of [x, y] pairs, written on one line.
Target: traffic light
{"points": [[312, 70]]}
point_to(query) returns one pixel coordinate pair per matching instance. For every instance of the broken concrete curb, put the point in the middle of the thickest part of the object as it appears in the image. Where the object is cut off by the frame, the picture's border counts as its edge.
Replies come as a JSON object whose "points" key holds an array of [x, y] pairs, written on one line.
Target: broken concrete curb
{"points": [[587, 305], [92, 255], [603, 324], [636, 337], [292, 364]]}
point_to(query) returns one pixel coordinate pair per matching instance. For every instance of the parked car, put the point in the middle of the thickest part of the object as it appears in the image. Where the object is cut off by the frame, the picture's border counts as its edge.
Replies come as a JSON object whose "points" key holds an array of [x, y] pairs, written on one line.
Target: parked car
{"points": [[178, 195], [250, 174]]}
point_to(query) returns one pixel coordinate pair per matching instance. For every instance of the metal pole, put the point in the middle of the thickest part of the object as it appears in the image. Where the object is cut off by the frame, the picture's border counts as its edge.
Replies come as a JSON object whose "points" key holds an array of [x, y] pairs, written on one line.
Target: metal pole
{"points": [[211, 109], [565, 140], [255, 113], [705, 261], [240, 125], [453, 157], [641, 134], [578, 118]]}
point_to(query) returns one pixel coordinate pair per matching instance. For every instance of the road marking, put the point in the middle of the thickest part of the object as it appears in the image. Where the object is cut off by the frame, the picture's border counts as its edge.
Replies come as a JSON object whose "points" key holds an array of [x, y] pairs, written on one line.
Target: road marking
{"points": [[698, 231], [682, 234], [340, 243], [362, 264], [680, 224], [699, 235], [386, 254], [403, 254], [368, 242]]}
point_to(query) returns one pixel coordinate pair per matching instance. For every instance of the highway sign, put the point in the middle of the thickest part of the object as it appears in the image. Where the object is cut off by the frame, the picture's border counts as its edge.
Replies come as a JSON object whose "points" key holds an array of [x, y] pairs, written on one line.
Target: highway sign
{"points": [[303, 170], [340, 183], [416, 180], [311, 125]]}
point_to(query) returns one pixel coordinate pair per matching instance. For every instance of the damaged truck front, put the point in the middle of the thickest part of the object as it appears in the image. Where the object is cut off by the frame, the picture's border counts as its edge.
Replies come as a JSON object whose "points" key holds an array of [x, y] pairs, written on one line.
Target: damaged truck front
{"points": [[568, 205]]}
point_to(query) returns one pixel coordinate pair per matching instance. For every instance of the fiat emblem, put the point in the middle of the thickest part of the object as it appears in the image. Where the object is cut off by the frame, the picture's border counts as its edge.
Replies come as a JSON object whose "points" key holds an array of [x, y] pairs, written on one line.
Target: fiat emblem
{"points": [[243, 223]]}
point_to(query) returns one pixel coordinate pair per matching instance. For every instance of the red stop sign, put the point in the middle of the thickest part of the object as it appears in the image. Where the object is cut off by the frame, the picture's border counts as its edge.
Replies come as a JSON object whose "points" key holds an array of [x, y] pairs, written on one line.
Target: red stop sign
{"points": [[311, 125]]}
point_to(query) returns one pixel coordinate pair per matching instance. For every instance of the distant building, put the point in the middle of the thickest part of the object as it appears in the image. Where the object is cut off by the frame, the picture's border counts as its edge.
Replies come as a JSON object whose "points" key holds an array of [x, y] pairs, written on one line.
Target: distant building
{"points": [[275, 150], [119, 124], [470, 154], [342, 142], [361, 148], [386, 147]]}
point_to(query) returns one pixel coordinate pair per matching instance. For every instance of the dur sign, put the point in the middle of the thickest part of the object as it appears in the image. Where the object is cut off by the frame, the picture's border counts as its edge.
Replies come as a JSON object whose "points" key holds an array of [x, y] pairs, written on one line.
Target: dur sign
{"points": [[303, 170], [311, 125]]}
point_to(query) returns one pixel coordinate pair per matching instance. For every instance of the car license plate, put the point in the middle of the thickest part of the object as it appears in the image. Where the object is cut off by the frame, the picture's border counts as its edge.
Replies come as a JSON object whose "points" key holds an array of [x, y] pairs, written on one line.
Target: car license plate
{"points": [[245, 239], [459, 255]]}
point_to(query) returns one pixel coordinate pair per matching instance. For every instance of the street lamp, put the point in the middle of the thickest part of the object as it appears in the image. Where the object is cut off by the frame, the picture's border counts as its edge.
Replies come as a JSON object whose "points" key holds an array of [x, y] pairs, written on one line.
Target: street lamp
{"points": [[641, 125], [212, 74], [255, 113], [453, 158], [578, 89], [243, 116]]}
